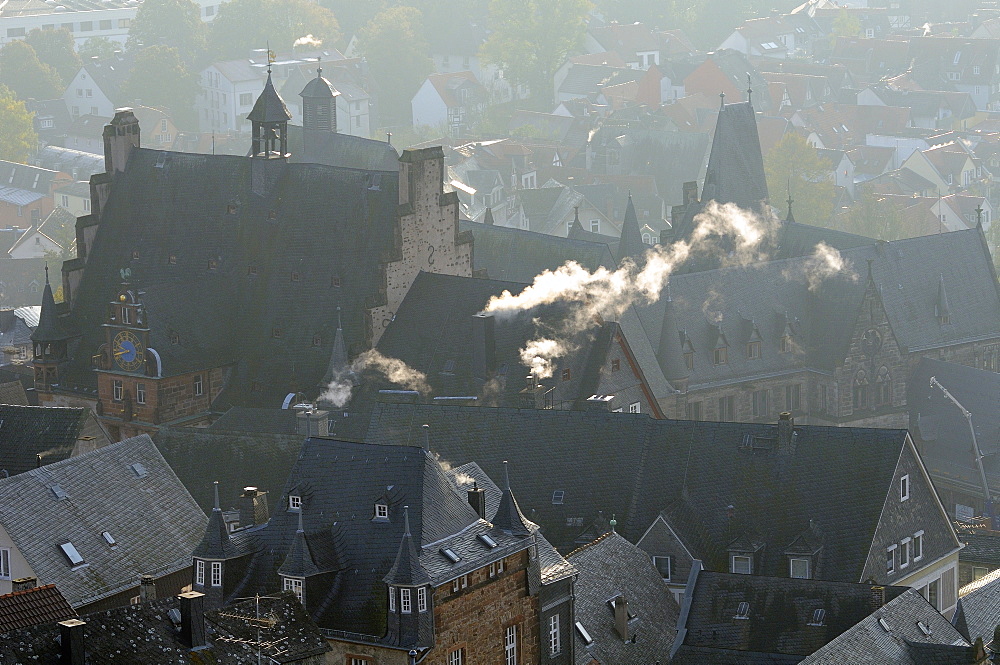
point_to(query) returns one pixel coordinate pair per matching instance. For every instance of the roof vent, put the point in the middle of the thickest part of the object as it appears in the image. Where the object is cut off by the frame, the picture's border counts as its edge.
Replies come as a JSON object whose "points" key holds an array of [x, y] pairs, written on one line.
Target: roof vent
{"points": [[59, 492], [587, 639], [924, 628], [109, 539], [139, 469], [885, 625], [449, 554], [743, 610]]}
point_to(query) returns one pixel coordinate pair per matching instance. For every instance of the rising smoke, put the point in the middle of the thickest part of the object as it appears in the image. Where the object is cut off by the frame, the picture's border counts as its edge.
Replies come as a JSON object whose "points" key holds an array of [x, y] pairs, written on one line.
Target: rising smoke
{"points": [[369, 363], [308, 40], [824, 263]]}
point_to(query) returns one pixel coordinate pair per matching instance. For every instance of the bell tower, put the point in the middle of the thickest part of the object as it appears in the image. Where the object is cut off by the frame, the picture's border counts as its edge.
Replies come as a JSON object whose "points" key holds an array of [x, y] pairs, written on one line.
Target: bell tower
{"points": [[269, 122], [319, 105]]}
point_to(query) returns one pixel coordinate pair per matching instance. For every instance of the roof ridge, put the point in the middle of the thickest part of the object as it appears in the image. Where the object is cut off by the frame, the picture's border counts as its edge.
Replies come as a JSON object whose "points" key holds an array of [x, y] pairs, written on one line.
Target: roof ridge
{"points": [[592, 543], [26, 591]]}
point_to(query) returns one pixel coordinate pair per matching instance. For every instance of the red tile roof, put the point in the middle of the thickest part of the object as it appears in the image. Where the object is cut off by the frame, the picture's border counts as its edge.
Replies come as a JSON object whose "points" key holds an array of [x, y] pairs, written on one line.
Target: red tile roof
{"points": [[31, 607]]}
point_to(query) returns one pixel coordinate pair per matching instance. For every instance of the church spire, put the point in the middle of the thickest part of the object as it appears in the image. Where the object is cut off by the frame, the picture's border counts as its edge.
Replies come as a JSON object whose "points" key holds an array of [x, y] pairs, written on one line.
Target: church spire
{"points": [[269, 122], [631, 244]]}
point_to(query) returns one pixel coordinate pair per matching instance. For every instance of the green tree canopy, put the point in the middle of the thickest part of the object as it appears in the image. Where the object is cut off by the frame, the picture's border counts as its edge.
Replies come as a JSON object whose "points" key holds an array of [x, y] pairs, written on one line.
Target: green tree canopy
{"points": [[173, 23], [57, 49], [17, 132], [530, 39], [243, 25], [794, 165], [396, 51], [160, 78], [873, 216], [26, 75], [98, 47]]}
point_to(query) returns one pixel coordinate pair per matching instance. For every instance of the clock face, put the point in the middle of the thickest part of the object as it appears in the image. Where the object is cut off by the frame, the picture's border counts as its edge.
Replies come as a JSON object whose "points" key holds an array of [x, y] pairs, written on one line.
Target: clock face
{"points": [[128, 351]]}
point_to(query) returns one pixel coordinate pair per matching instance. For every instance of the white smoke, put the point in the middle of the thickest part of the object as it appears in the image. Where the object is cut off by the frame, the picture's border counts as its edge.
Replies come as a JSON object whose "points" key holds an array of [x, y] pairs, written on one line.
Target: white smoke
{"points": [[724, 230], [825, 262], [338, 392], [308, 40]]}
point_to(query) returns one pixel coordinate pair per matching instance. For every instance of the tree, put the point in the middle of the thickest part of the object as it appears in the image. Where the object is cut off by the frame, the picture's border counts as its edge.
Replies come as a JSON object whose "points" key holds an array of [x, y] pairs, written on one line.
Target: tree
{"points": [[396, 51], [874, 216], [353, 15], [26, 75], [173, 23], [160, 78], [57, 49], [845, 25], [242, 25], [794, 165], [98, 47], [17, 132], [532, 38]]}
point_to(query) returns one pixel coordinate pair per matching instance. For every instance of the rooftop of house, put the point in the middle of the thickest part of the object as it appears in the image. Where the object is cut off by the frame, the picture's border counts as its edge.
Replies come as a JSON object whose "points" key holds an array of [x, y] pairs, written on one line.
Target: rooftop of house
{"points": [[978, 607], [609, 568], [111, 515], [33, 436], [30, 607]]}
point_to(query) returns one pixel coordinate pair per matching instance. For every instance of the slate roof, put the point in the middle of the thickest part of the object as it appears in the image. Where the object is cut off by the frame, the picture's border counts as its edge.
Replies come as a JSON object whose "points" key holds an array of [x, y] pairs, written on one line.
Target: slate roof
{"points": [[78, 164], [609, 567], [31, 607], [942, 432], [260, 421], [230, 630], [515, 255], [735, 165], [12, 392], [867, 643], [978, 608], [26, 432], [341, 150], [339, 482], [126, 489], [592, 456], [210, 291], [269, 107], [781, 616]]}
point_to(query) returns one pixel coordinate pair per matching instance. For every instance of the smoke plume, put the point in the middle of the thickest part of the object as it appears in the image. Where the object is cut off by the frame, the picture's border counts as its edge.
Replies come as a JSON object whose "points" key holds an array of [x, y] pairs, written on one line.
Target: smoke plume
{"points": [[371, 362], [308, 40], [824, 263]]}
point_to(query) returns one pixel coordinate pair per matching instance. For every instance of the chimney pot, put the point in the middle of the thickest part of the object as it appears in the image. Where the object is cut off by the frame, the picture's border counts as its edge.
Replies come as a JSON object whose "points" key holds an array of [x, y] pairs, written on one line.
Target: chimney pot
{"points": [[253, 507], [147, 588], [477, 499], [192, 619], [878, 597], [621, 617], [313, 422], [71, 641], [786, 427]]}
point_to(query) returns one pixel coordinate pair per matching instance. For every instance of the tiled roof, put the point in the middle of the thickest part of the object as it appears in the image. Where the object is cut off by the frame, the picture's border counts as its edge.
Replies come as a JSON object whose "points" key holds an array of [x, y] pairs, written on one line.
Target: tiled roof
{"points": [[29, 431], [611, 567], [626, 464], [125, 489], [868, 643], [12, 392], [31, 607]]}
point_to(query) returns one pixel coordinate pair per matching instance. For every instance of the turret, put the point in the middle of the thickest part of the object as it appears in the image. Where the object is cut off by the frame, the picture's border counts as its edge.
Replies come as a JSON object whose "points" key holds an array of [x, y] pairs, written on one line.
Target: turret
{"points": [[319, 105], [269, 123], [410, 617], [49, 343]]}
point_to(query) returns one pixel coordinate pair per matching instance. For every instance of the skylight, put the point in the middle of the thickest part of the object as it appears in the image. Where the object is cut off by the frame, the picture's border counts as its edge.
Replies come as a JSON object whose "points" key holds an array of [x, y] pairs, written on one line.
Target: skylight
{"points": [[108, 538], [58, 492], [885, 625], [487, 540], [139, 470], [924, 628], [449, 554], [743, 611], [587, 639], [72, 554], [557, 497]]}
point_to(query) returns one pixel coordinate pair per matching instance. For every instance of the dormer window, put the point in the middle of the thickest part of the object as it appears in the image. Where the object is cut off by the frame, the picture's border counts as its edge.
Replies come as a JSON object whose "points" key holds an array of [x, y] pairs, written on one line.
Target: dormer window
{"points": [[741, 564], [381, 511], [392, 599], [819, 615], [405, 601], [799, 568], [294, 584], [422, 599], [172, 260], [689, 360], [294, 502], [720, 356], [231, 209], [753, 350], [786, 344]]}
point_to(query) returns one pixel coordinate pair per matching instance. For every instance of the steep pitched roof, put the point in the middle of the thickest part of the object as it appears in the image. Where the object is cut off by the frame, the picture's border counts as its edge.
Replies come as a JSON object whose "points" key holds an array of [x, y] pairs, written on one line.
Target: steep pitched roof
{"points": [[735, 165], [611, 567], [31, 607], [631, 243], [978, 608], [125, 489], [269, 107], [28, 433]]}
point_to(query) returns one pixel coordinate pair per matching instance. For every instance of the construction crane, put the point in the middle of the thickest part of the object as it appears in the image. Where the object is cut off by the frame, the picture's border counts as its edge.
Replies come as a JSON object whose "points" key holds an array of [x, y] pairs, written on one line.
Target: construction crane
{"points": [[978, 453]]}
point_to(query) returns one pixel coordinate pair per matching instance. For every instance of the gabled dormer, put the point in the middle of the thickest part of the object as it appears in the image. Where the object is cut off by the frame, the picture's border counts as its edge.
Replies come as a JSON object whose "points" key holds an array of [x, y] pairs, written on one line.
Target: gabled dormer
{"points": [[745, 554], [803, 553]]}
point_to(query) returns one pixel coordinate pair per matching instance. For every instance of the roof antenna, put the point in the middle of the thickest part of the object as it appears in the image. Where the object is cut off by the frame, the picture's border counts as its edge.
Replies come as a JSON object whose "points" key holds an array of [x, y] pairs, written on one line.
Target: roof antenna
{"points": [[506, 476], [749, 90], [427, 436], [47, 271], [319, 67]]}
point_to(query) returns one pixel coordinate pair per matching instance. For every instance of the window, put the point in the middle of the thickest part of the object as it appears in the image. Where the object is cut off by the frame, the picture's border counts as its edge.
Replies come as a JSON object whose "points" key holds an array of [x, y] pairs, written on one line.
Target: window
{"points": [[75, 558], [727, 407], [793, 399], [105, 25], [753, 350], [65, 201], [510, 645], [741, 564], [975, 70], [175, 338], [405, 603], [633, 407], [693, 411], [595, 226], [890, 559], [819, 615], [392, 599], [742, 610], [294, 585], [422, 599], [786, 344], [335, 282], [86, 26], [15, 32], [760, 404], [456, 657], [199, 572], [199, 387], [616, 364], [918, 546], [934, 593], [294, 502], [557, 497], [381, 511], [720, 356], [126, 316], [5, 563], [663, 565], [555, 639], [213, 264], [117, 391], [798, 568], [977, 572], [904, 488], [860, 393], [295, 276], [904, 553], [246, 98], [883, 387], [455, 587], [140, 393], [216, 573]]}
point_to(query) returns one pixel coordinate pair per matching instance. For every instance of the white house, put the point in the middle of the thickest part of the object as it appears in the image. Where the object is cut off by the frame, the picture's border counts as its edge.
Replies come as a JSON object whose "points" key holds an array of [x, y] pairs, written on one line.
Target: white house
{"points": [[448, 99]]}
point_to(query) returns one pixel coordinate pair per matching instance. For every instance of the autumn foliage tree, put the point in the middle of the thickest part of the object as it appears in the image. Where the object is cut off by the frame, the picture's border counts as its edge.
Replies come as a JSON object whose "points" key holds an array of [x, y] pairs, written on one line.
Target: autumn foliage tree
{"points": [[57, 49], [26, 75], [794, 166], [17, 133]]}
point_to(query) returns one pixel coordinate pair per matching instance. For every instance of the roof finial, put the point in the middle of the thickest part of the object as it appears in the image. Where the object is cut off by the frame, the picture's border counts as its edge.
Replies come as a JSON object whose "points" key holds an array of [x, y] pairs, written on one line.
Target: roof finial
{"points": [[269, 58], [506, 476], [427, 436], [979, 222], [613, 523], [406, 521], [46, 272], [340, 323], [749, 90], [215, 485], [388, 138], [722, 97], [790, 200], [319, 67]]}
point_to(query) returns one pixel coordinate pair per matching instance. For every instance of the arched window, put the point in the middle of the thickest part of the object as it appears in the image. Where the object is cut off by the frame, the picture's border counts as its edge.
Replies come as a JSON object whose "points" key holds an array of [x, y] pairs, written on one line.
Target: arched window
{"points": [[883, 387], [861, 389]]}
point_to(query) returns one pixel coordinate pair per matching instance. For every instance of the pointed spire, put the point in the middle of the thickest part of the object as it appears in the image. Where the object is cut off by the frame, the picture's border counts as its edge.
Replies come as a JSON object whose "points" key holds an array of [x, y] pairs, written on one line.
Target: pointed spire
{"points": [[319, 67], [979, 219], [269, 107], [722, 99], [216, 544], [790, 217], [215, 489], [299, 561], [669, 352], [576, 229], [749, 90], [406, 570], [48, 329], [339, 367], [509, 517], [631, 243]]}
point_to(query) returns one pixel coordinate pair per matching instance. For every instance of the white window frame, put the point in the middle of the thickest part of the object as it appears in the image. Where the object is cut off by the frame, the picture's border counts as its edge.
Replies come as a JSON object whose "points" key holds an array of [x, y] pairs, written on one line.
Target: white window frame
{"points": [[294, 502], [634, 407], [670, 567], [510, 645], [117, 391], [392, 599], [422, 599], [555, 638], [5, 563], [456, 657], [126, 316], [791, 568], [216, 573], [741, 557], [140, 393], [199, 572], [904, 487], [890, 559], [918, 545], [904, 552], [199, 385], [405, 601], [381, 511], [294, 584]]}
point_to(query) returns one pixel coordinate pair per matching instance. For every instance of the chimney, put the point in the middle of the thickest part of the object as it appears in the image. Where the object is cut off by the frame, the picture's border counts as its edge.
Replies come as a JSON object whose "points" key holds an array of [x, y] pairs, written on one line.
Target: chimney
{"points": [[72, 649], [253, 507], [877, 597], [600, 403], [477, 499], [120, 136], [147, 588], [689, 192], [621, 617], [786, 428], [23, 584], [192, 619], [484, 352], [313, 422]]}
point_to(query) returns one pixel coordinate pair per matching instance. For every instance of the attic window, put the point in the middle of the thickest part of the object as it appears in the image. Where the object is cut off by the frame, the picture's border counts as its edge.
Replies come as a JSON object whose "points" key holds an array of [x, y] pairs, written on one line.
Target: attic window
{"points": [[108, 538], [139, 470], [75, 559], [743, 611], [175, 338], [231, 209], [294, 502], [487, 540], [449, 554], [135, 255], [689, 360], [566, 374], [557, 497], [317, 340], [616, 364], [252, 269], [720, 355], [276, 333], [753, 350], [59, 492], [335, 282], [381, 511], [786, 344], [818, 616], [172, 260], [295, 276], [272, 214], [213, 264], [587, 639], [741, 564]]}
